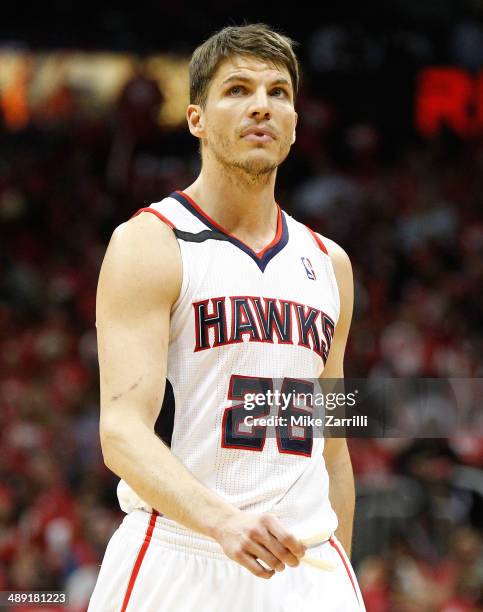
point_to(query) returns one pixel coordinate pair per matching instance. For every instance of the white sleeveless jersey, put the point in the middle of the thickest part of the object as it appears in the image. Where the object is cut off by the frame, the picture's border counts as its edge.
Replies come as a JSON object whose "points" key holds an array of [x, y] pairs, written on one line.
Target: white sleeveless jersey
{"points": [[248, 322]]}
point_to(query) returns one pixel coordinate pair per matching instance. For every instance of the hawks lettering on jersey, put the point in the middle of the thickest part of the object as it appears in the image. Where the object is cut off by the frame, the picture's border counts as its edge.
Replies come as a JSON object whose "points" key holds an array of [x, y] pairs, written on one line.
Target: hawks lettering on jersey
{"points": [[262, 318]]}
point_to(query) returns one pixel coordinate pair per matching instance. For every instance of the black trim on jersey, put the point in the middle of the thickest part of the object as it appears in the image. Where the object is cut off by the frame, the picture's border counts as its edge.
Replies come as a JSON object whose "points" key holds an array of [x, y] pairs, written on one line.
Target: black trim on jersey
{"points": [[165, 422], [261, 262], [200, 236]]}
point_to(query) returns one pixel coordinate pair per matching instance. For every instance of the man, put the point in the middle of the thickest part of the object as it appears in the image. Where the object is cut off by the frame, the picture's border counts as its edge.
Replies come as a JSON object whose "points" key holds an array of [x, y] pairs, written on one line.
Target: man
{"points": [[226, 296]]}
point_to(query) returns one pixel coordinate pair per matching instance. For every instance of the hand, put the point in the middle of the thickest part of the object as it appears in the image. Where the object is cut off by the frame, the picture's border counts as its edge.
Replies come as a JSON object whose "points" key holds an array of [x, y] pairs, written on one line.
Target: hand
{"points": [[247, 537]]}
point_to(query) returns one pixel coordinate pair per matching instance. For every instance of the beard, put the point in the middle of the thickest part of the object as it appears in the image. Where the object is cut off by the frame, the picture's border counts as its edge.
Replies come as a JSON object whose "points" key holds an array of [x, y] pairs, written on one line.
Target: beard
{"points": [[254, 169]]}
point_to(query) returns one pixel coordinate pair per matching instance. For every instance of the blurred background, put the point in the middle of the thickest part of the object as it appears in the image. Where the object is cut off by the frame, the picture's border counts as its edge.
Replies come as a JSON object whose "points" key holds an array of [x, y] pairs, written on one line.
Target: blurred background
{"points": [[388, 162]]}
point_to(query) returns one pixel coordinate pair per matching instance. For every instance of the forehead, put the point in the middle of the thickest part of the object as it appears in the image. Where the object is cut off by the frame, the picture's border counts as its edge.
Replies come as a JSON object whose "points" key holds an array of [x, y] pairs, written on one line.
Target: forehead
{"points": [[250, 67]]}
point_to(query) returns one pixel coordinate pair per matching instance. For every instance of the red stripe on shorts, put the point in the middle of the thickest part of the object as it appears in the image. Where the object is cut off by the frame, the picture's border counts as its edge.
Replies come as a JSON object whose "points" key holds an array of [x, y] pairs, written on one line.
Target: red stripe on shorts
{"points": [[334, 545], [139, 560]]}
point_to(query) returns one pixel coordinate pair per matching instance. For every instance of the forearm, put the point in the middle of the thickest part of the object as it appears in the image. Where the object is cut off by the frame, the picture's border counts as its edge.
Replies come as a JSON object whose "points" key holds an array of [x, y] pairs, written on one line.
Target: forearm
{"points": [[342, 496], [139, 457]]}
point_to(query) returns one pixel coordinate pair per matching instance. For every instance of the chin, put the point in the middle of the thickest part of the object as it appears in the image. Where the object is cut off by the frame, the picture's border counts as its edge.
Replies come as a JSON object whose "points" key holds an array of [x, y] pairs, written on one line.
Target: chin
{"points": [[259, 169], [261, 157]]}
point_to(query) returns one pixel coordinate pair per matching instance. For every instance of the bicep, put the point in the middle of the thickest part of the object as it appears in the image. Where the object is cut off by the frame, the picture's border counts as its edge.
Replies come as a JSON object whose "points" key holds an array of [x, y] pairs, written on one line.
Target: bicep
{"points": [[138, 283]]}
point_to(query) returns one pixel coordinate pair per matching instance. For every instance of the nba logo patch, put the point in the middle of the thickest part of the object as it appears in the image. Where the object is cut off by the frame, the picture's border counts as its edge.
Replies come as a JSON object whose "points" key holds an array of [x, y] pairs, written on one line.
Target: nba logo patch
{"points": [[308, 268]]}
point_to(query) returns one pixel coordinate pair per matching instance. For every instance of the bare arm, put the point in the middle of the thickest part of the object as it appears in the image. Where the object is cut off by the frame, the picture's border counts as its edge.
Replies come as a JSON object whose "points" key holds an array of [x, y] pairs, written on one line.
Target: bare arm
{"points": [[134, 298], [138, 284], [336, 453]]}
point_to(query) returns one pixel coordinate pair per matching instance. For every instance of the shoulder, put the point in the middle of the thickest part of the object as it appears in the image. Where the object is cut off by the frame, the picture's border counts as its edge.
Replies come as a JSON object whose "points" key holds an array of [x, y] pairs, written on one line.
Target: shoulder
{"points": [[142, 257], [145, 240], [144, 229]]}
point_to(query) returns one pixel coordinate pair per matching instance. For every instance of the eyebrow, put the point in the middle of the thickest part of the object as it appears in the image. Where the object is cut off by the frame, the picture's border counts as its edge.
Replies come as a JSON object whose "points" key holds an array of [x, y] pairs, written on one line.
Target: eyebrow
{"points": [[240, 77]]}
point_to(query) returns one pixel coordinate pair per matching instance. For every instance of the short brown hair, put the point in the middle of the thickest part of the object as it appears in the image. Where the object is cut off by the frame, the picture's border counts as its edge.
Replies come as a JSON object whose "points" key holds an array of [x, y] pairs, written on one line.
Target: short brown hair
{"points": [[253, 40]]}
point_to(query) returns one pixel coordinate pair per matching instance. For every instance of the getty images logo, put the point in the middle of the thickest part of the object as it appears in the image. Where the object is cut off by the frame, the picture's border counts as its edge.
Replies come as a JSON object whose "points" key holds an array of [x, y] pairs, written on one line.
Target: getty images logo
{"points": [[308, 268]]}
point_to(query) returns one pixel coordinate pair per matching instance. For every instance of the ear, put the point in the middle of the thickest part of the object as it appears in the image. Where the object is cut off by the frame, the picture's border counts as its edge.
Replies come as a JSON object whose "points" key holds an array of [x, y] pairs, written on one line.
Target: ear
{"points": [[294, 136], [194, 116]]}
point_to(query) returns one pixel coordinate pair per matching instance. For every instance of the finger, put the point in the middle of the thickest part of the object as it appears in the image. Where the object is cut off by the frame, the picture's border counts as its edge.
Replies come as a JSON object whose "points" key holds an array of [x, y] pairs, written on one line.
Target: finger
{"points": [[261, 552], [253, 566], [286, 539], [278, 550]]}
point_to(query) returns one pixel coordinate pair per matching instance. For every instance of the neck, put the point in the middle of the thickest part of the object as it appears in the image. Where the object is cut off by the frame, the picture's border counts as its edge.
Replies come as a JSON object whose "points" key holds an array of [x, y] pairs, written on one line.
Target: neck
{"points": [[243, 204]]}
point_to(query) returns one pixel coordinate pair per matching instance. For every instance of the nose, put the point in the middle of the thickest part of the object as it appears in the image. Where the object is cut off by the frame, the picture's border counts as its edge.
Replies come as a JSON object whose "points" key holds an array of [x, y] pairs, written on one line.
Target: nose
{"points": [[259, 105]]}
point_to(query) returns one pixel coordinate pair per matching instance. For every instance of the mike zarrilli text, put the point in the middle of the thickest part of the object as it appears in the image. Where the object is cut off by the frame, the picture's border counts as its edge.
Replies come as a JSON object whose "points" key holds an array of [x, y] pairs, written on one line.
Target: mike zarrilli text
{"points": [[329, 420]]}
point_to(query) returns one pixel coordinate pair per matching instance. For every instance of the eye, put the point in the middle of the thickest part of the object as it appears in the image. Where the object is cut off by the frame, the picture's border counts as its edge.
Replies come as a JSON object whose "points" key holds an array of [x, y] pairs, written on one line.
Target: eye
{"points": [[236, 87], [279, 89]]}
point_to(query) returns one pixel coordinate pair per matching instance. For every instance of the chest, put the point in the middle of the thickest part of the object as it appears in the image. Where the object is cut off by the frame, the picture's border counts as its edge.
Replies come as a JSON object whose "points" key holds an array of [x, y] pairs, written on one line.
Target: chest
{"points": [[228, 299]]}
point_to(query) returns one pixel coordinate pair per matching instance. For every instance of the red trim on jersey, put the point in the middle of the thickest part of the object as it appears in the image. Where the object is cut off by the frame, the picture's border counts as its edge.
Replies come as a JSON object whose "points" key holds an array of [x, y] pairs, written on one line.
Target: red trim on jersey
{"points": [[318, 240], [259, 254], [158, 214], [334, 544], [139, 560]]}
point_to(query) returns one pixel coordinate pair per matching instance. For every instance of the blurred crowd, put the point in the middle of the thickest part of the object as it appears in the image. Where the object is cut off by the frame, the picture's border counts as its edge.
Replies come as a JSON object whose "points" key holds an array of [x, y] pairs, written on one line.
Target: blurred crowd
{"points": [[409, 217]]}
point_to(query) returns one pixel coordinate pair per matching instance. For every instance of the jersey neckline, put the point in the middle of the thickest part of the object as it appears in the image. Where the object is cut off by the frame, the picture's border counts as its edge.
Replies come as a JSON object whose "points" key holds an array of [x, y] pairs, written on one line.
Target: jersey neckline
{"points": [[262, 257]]}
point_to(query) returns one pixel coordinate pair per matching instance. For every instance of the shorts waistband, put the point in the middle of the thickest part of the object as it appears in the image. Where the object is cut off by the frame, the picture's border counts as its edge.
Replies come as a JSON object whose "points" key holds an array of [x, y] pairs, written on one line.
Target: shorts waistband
{"points": [[176, 537]]}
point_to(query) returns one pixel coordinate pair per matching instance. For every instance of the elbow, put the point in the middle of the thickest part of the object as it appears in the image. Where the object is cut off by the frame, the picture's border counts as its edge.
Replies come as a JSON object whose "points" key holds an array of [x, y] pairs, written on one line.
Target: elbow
{"points": [[120, 440], [111, 440], [107, 451]]}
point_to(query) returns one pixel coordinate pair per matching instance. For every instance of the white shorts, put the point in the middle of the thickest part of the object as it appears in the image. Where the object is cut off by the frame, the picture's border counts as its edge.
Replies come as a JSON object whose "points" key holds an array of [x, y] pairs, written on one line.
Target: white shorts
{"points": [[151, 567]]}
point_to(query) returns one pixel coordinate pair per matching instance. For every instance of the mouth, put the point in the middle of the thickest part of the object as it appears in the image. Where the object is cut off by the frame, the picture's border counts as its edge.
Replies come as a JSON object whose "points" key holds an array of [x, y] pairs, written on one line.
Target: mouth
{"points": [[259, 137]]}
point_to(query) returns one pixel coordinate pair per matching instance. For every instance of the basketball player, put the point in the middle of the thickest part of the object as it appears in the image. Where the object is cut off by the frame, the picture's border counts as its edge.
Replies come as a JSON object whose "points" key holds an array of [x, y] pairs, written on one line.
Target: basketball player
{"points": [[224, 294]]}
